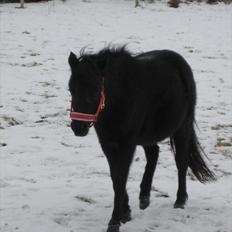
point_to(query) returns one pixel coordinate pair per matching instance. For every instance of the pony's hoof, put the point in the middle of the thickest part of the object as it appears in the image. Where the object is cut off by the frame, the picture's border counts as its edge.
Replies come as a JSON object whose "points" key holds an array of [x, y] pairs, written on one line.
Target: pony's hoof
{"points": [[181, 202], [179, 205], [126, 217], [113, 228], [144, 202]]}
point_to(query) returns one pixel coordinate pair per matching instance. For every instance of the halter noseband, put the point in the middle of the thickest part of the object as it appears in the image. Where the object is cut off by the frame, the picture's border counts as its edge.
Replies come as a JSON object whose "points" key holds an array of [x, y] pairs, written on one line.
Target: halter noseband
{"points": [[92, 118]]}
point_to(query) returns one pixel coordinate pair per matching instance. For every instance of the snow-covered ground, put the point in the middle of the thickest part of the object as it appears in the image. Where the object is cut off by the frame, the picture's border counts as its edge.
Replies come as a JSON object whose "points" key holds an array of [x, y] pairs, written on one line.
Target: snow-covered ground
{"points": [[51, 181]]}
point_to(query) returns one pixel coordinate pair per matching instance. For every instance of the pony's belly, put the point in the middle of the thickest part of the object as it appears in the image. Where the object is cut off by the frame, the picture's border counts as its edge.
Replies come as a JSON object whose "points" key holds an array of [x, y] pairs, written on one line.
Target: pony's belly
{"points": [[151, 138], [158, 130]]}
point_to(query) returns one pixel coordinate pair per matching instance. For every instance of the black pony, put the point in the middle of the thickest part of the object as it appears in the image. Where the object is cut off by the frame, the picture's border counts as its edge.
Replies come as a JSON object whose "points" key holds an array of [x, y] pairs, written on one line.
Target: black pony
{"points": [[146, 98]]}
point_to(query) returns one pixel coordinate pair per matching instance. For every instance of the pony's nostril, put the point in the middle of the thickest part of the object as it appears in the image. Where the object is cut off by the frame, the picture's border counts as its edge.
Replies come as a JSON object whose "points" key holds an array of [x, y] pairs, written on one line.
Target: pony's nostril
{"points": [[83, 126]]}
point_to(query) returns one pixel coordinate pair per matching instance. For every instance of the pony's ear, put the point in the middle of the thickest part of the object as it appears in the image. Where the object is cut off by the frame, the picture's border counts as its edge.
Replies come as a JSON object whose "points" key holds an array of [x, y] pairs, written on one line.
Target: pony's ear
{"points": [[72, 60]]}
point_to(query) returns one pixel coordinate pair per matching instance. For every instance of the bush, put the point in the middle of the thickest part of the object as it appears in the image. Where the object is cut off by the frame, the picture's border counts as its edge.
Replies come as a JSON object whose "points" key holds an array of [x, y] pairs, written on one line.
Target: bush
{"points": [[174, 3]]}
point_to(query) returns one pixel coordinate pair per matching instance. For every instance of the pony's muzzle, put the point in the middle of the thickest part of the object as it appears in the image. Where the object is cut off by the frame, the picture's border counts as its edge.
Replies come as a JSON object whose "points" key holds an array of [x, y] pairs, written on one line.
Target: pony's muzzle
{"points": [[80, 128]]}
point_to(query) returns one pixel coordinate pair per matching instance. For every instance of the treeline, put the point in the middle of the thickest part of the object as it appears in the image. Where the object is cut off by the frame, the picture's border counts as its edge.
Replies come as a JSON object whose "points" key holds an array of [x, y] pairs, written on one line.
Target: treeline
{"points": [[175, 3], [171, 3]]}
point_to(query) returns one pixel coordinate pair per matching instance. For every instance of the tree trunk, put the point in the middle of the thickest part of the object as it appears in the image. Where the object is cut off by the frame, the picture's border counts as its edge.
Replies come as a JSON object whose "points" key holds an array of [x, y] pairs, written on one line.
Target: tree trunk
{"points": [[21, 3], [136, 3]]}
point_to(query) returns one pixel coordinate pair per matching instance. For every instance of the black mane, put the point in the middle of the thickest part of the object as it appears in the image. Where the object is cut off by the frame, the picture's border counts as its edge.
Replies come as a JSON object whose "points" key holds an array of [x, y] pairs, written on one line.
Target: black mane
{"points": [[110, 50]]}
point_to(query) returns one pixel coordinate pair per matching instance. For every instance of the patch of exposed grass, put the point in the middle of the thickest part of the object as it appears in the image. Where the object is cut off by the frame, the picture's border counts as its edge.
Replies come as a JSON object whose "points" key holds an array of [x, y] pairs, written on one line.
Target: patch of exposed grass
{"points": [[221, 126], [85, 199]]}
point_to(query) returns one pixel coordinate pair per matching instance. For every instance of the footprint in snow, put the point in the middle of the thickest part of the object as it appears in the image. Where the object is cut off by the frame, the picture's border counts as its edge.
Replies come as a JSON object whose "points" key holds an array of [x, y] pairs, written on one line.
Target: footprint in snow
{"points": [[62, 221], [64, 218], [31, 64], [3, 184], [26, 208], [152, 228], [26, 32]]}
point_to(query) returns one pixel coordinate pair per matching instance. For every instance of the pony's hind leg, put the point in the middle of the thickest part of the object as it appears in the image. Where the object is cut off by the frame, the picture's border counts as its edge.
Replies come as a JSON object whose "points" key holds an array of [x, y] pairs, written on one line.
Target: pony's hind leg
{"points": [[152, 153], [182, 151]]}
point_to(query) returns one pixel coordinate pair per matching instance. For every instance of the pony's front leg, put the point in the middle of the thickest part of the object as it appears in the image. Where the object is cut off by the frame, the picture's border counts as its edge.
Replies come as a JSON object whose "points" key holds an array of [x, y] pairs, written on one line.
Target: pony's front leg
{"points": [[152, 153], [126, 213], [119, 168]]}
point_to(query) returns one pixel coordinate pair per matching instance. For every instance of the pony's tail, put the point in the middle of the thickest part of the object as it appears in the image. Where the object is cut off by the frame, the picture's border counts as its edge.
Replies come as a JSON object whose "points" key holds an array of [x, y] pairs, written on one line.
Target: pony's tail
{"points": [[196, 161]]}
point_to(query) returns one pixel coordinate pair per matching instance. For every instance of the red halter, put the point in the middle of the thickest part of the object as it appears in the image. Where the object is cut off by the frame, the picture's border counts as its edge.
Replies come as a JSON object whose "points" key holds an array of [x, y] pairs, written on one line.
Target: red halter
{"points": [[90, 117]]}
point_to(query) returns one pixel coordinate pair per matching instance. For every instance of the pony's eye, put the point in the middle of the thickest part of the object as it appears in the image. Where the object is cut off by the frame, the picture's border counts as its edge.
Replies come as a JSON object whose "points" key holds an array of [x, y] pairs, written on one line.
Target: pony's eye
{"points": [[90, 99]]}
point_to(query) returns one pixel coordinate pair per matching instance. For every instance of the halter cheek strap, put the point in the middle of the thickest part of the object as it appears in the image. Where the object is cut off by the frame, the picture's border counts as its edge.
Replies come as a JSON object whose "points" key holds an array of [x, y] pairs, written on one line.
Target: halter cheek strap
{"points": [[89, 117]]}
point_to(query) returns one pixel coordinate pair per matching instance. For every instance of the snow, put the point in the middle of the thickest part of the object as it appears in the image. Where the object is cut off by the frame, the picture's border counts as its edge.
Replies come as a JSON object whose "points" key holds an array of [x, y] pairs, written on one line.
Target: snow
{"points": [[51, 180]]}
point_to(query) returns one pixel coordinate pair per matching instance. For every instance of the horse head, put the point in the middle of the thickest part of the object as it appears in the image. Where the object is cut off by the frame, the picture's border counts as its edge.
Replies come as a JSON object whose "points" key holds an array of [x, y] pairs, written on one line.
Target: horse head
{"points": [[87, 93]]}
